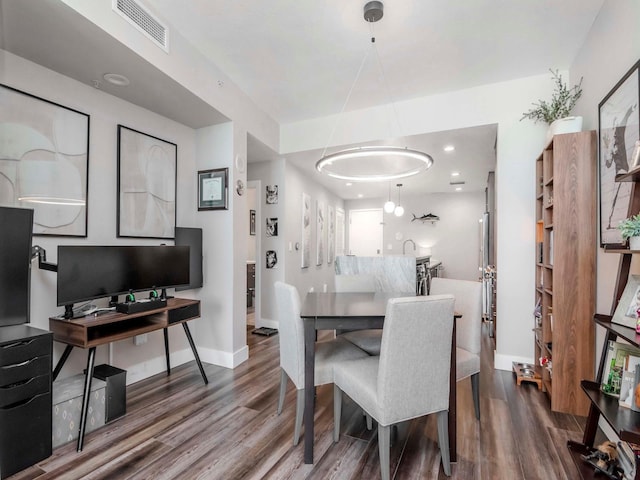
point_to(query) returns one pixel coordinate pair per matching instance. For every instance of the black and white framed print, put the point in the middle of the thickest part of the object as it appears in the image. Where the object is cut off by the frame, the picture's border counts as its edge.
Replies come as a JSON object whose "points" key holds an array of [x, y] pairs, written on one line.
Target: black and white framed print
{"points": [[146, 185], [271, 194], [44, 162], [619, 121], [272, 227]]}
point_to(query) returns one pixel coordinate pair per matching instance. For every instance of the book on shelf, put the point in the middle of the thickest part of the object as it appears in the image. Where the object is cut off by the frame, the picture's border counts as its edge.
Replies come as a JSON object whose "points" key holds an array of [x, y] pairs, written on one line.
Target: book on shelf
{"points": [[621, 358], [551, 247]]}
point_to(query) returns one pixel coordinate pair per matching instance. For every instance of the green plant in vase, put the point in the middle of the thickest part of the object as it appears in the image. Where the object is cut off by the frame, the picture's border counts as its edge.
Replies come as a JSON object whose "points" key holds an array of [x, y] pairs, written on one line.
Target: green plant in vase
{"points": [[630, 230]]}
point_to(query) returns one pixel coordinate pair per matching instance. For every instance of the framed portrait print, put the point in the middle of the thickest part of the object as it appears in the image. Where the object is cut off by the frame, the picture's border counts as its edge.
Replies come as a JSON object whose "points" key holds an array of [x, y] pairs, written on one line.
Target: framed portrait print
{"points": [[628, 309], [213, 189], [619, 120], [44, 162], [146, 185]]}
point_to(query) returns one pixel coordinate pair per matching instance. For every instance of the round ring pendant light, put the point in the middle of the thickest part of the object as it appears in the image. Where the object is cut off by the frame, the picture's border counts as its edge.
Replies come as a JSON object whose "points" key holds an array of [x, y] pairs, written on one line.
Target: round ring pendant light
{"points": [[382, 163], [373, 163]]}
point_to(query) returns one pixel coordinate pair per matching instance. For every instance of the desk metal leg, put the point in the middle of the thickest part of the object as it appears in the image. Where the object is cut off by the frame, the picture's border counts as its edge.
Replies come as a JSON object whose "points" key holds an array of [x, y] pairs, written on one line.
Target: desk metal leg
{"points": [[309, 389], [195, 353], [166, 349], [453, 423], [61, 362], [86, 396]]}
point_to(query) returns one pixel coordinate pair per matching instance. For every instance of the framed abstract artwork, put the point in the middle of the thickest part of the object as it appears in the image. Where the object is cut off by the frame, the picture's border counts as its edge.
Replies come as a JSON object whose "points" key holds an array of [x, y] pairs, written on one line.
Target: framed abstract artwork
{"points": [[44, 162], [320, 230], [213, 189], [331, 234], [306, 230], [146, 185], [619, 120]]}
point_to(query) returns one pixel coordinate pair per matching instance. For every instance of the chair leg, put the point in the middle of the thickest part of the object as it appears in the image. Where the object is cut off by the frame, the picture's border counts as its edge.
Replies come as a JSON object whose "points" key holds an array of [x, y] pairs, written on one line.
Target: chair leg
{"points": [[384, 446], [443, 440], [337, 412], [475, 390], [283, 390], [299, 415]]}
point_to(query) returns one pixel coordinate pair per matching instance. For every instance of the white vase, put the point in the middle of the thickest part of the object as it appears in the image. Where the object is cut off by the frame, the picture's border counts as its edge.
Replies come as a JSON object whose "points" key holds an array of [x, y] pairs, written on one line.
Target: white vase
{"points": [[564, 125], [634, 243]]}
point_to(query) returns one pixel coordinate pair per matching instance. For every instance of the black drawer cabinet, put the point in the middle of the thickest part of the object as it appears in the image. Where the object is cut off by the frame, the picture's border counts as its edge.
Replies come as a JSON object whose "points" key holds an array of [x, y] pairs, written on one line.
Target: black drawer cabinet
{"points": [[25, 397]]}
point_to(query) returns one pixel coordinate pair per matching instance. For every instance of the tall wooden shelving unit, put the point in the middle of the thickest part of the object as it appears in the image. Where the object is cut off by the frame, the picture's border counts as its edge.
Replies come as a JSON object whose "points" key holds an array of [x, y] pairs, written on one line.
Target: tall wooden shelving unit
{"points": [[565, 268]]}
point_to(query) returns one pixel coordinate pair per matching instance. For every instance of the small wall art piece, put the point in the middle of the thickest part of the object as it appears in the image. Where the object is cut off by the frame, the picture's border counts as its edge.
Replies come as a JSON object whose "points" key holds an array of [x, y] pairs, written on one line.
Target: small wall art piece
{"points": [[272, 227], [252, 222], [146, 185], [306, 230], [619, 121], [272, 258], [272, 194], [44, 161], [628, 309], [320, 232], [213, 189], [331, 234]]}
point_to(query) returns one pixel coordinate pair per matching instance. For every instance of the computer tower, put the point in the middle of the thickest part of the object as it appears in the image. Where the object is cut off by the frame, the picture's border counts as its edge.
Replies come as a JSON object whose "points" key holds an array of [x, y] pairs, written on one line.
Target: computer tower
{"points": [[116, 390]]}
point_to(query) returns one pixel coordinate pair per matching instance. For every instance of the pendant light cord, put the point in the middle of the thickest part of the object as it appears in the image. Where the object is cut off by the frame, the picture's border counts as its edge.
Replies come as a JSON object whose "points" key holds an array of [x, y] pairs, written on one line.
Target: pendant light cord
{"points": [[386, 83], [333, 131]]}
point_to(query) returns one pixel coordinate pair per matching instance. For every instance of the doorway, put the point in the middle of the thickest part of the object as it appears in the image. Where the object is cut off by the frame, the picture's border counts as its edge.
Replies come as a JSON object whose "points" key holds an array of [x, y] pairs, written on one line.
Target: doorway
{"points": [[253, 258], [366, 232]]}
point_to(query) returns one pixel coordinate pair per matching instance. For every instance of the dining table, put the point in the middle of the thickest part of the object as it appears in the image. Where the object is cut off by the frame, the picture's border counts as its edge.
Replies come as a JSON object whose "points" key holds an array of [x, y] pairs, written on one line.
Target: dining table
{"points": [[354, 311]]}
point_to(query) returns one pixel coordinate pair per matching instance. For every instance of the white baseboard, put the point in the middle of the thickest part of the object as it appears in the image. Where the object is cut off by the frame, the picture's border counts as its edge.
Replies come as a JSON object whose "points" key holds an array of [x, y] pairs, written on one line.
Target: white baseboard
{"points": [[156, 365], [505, 362]]}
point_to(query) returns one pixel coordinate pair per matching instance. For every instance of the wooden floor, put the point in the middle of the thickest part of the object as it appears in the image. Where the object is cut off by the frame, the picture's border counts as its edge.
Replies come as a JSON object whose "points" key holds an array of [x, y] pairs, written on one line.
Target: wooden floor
{"points": [[178, 428]]}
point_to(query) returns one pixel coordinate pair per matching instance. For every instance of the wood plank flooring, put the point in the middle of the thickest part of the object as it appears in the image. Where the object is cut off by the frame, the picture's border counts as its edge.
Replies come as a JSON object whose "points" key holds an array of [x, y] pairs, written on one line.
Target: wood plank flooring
{"points": [[178, 428]]}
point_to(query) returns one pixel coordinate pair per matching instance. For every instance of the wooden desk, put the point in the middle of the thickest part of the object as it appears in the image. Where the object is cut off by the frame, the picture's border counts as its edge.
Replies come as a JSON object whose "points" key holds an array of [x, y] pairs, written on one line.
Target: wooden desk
{"points": [[350, 311], [92, 330]]}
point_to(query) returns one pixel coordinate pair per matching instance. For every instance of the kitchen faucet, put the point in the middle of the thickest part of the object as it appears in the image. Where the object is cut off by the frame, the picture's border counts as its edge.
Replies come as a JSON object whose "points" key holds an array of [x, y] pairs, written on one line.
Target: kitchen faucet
{"points": [[405, 243]]}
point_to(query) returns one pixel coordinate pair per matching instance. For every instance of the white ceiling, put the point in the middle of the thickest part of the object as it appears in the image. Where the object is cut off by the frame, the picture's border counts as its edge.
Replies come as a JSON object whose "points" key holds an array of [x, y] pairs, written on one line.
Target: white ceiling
{"points": [[299, 59]]}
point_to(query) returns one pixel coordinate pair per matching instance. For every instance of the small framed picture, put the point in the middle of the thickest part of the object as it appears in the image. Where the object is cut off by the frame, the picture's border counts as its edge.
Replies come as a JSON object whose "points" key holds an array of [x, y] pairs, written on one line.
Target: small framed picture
{"points": [[628, 309], [252, 222], [213, 189]]}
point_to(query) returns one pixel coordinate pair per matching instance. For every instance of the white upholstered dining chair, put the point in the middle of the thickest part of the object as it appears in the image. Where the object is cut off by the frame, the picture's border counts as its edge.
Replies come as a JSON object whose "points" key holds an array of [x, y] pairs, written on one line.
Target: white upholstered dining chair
{"points": [[410, 378], [367, 340], [291, 337], [468, 295]]}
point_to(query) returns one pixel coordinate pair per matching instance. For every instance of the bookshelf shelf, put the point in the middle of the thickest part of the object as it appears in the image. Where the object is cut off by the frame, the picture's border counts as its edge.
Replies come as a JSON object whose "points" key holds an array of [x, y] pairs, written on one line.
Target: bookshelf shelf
{"points": [[565, 269]]}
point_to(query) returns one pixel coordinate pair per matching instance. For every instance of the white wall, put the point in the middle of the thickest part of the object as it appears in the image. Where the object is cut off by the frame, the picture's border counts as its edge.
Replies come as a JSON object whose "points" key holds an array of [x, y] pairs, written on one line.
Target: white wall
{"points": [[315, 276], [519, 143], [106, 112], [454, 239]]}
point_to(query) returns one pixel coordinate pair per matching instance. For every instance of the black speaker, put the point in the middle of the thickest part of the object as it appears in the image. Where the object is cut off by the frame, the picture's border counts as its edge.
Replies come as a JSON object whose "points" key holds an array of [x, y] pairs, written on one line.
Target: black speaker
{"points": [[116, 390]]}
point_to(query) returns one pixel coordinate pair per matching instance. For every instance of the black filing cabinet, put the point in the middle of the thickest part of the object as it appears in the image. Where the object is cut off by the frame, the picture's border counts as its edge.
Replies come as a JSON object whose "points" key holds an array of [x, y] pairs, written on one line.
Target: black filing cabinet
{"points": [[25, 397]]}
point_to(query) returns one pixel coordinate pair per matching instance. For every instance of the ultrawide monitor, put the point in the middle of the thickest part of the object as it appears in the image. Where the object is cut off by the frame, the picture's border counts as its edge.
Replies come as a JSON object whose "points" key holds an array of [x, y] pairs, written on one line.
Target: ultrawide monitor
{"points": [[89, 272]]}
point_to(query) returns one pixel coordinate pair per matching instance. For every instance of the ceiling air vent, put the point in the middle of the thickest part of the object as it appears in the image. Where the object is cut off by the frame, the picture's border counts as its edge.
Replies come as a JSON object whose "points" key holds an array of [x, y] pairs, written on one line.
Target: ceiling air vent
{"points": [[143, 20]]}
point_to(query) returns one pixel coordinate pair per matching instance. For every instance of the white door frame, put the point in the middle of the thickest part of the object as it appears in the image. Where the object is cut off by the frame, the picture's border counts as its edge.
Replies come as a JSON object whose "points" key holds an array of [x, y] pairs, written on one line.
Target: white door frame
{"points": [[257, 184]]}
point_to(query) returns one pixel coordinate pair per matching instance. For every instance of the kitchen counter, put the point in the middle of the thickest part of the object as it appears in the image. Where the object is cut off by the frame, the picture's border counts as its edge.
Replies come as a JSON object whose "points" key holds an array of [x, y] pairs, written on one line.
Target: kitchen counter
{"points": [[394, 273]]}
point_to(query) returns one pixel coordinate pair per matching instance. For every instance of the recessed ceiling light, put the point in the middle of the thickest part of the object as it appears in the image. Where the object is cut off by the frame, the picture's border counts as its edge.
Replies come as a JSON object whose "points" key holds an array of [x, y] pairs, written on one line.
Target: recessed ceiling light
{"points": [[458, 189], [116, 79], [449, 148], [348, 184], [360, 195], [455, 174]]}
